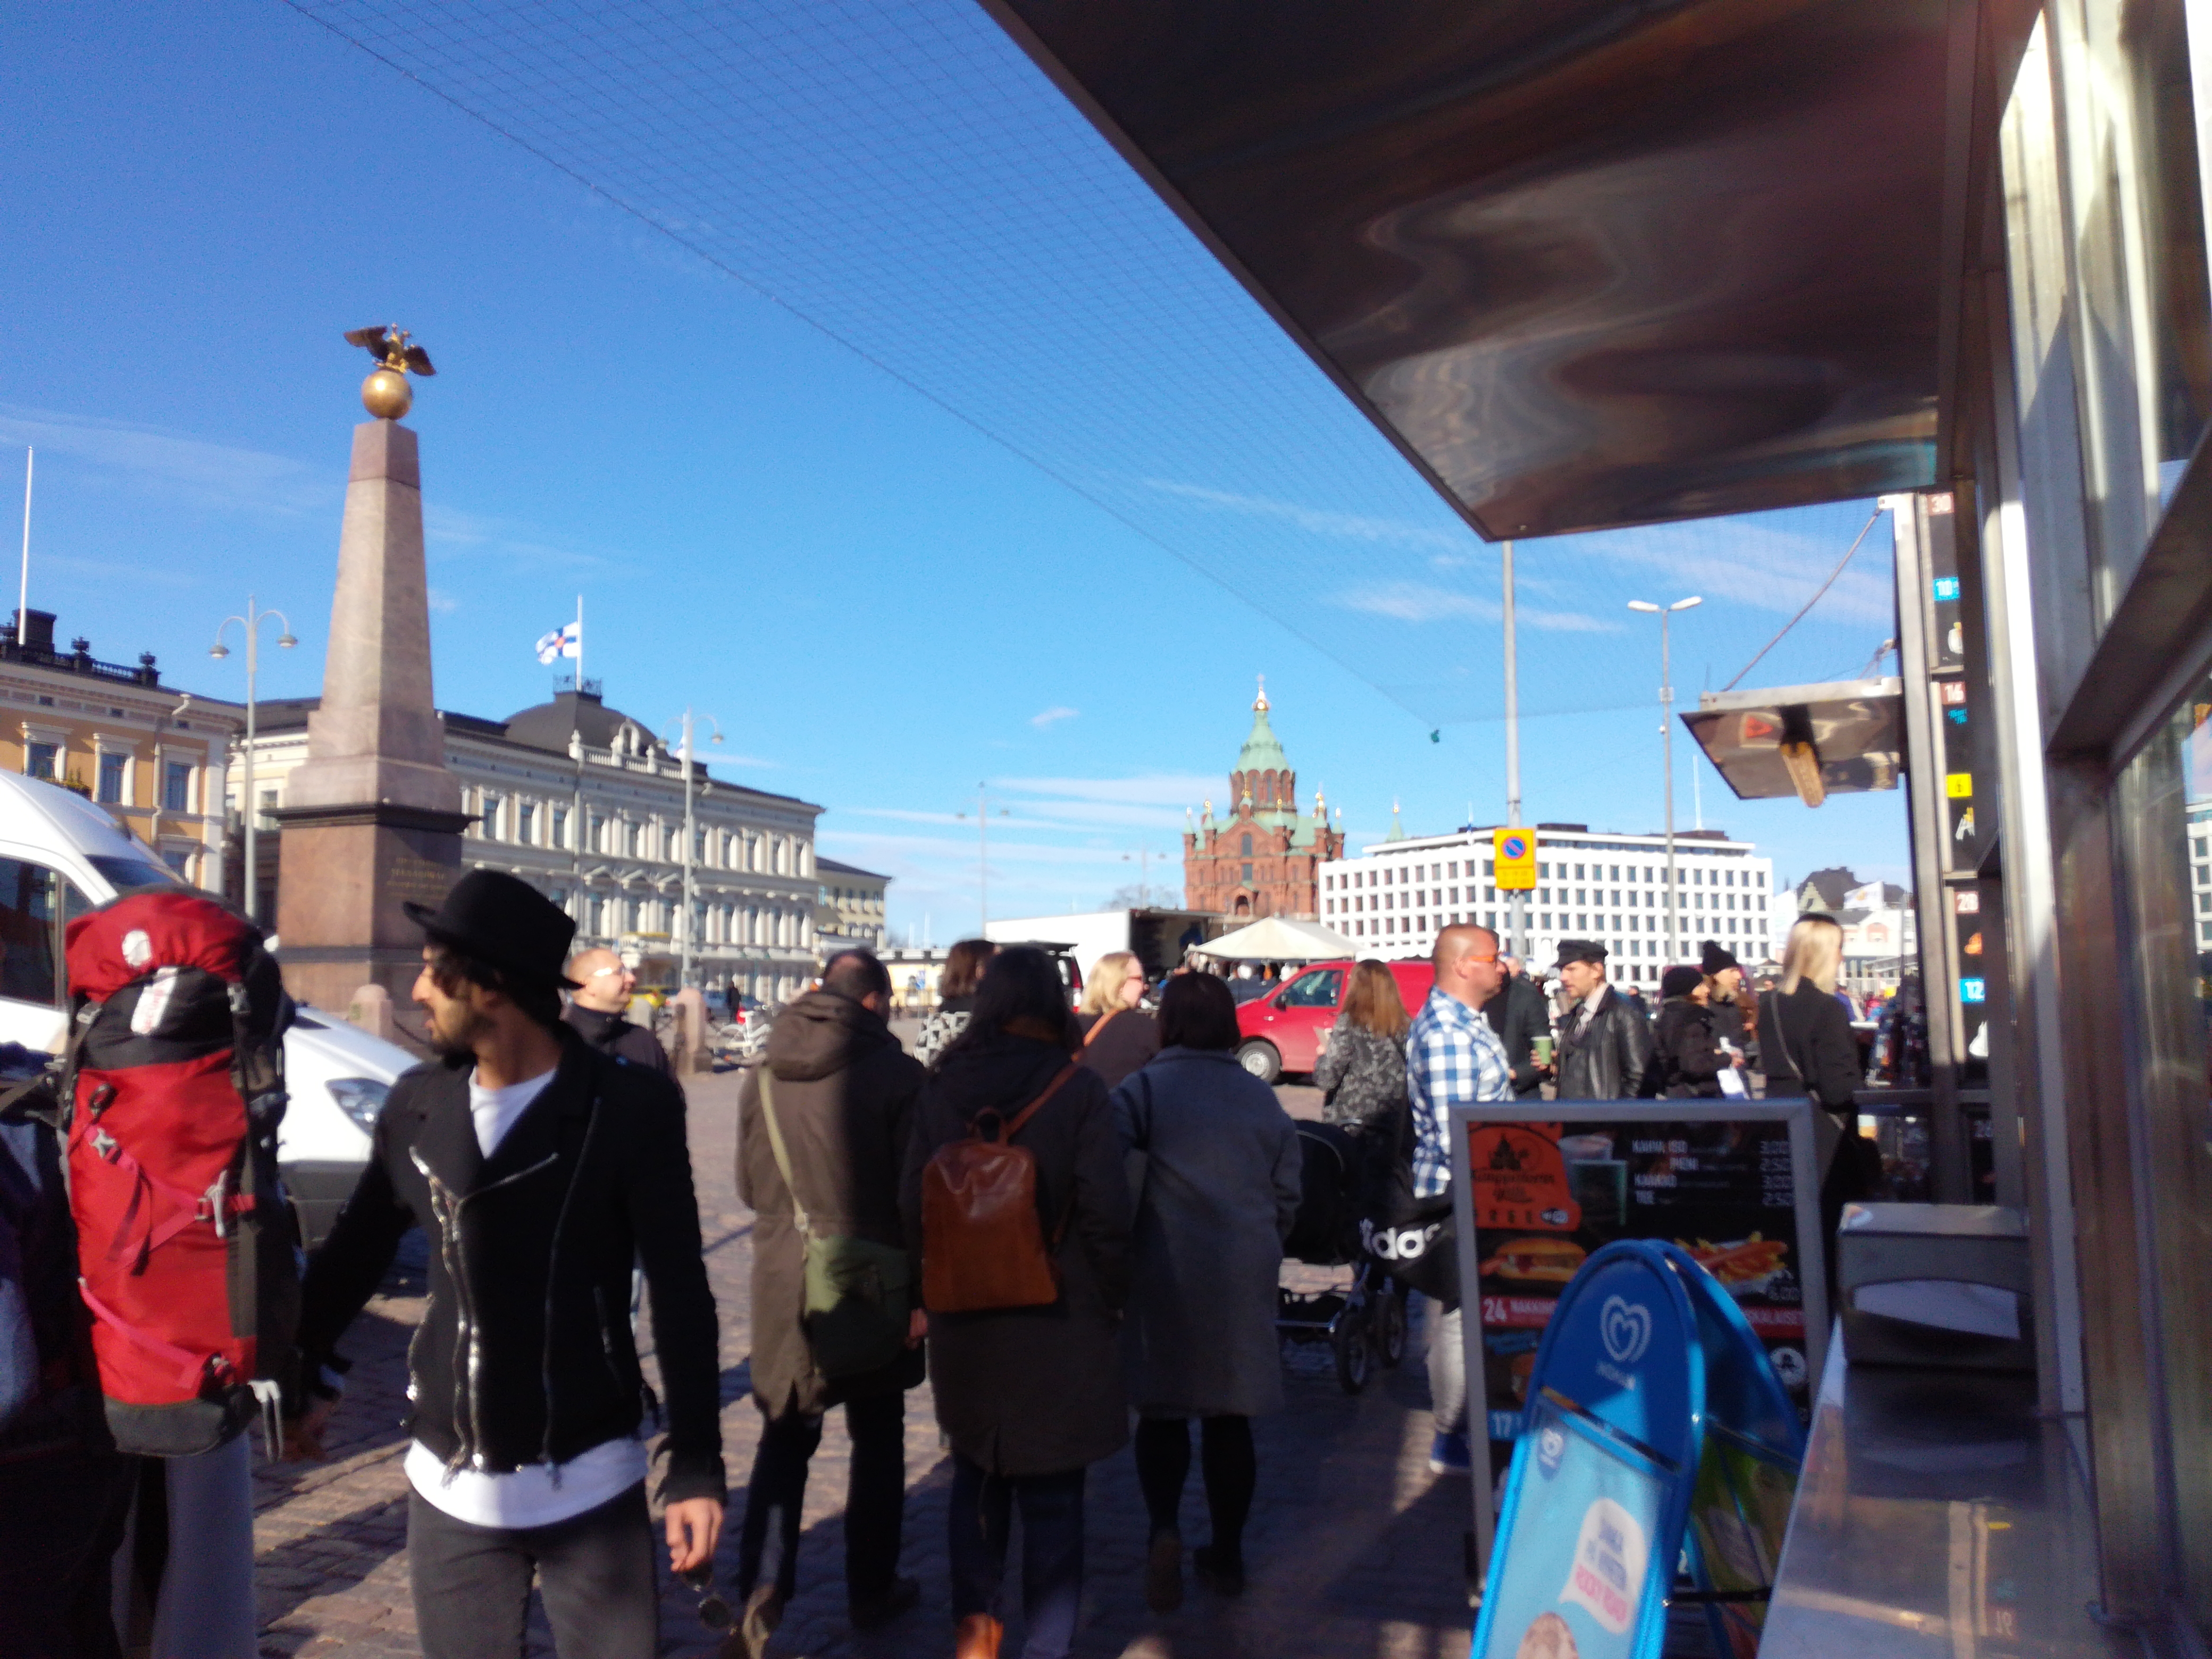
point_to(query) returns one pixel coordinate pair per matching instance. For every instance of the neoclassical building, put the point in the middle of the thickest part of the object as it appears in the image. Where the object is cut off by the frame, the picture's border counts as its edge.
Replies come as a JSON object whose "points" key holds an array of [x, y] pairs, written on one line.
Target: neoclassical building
{"points": [[587, 803], [1264, 858]]}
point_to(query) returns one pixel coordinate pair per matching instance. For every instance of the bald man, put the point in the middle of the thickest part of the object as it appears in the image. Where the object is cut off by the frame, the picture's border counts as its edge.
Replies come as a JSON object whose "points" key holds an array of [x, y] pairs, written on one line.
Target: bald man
{"points": [[1452, 1058], [596, 1010]]}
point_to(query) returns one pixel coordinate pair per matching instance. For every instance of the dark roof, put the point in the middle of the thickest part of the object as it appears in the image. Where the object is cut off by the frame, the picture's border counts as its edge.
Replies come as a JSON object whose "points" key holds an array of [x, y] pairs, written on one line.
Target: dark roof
{"points": [[830, 866], [547, 726], [1830, 884]]}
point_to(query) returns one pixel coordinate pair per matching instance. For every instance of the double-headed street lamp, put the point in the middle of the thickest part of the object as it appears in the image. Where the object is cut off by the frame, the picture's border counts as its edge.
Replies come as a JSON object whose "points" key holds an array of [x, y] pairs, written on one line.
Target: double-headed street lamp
{"points": [[1664, 612], [251, 624]]}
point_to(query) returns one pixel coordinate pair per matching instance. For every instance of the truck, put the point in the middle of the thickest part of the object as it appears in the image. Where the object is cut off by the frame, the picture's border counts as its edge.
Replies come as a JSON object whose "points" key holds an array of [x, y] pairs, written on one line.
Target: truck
{"points": [[1158, 936]]}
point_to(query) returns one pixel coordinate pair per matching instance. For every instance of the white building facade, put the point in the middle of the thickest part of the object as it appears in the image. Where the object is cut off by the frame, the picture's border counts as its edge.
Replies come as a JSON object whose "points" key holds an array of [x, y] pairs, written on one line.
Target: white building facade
{"points": [[1395, 896], [586, 805]]}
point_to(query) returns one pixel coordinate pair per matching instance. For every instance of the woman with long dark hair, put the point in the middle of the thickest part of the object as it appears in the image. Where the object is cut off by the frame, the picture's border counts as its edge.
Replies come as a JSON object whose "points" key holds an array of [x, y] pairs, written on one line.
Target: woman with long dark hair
{"points": [[1028, 1397], [955, 997], [1221, 1189]]}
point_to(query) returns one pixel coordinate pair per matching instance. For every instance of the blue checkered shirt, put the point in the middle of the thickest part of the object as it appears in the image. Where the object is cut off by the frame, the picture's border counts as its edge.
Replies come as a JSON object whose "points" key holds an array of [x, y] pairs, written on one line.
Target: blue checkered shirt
{"points": [[1452, 1059]]}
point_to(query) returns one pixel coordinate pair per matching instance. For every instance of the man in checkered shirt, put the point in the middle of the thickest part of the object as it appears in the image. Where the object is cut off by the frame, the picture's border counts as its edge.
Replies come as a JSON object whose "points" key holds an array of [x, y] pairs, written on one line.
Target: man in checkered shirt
{"points": [[1452, 1058]]}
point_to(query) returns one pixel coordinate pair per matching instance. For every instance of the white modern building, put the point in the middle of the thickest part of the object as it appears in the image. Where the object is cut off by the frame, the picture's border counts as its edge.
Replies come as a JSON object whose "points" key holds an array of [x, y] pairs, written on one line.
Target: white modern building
{"points": [[586, 805], [1394, 897]]}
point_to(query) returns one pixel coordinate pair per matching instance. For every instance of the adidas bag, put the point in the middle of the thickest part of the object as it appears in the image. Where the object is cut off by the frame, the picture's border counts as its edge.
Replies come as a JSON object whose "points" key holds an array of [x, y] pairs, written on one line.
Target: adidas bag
{"points": [[187, 1252]]}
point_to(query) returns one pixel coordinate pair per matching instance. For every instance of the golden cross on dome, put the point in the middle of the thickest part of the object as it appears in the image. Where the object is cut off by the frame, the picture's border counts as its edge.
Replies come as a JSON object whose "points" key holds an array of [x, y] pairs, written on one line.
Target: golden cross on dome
{"points": [[1259, 703]]}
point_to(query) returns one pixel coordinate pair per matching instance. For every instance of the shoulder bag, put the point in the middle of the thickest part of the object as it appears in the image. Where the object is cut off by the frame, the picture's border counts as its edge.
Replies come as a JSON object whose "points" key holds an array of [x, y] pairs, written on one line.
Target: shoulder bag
{"points": [[858, 1293], [983, 1247]]}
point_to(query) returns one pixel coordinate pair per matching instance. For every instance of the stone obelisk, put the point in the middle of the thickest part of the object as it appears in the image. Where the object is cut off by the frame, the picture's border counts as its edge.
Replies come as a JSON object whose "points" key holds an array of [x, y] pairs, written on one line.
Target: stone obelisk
{"points": [[373, 817]]}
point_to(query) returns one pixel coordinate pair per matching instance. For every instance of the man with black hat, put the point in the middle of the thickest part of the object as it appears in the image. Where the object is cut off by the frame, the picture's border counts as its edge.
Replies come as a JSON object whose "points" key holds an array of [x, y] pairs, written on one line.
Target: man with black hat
{"points": [[539, 1168], [1604, 1044]]}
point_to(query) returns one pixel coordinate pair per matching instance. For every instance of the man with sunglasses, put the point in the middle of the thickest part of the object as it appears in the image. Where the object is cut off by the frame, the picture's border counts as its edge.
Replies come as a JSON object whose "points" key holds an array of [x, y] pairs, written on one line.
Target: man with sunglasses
{"points": [[1452, 1058], [600, 1005]]}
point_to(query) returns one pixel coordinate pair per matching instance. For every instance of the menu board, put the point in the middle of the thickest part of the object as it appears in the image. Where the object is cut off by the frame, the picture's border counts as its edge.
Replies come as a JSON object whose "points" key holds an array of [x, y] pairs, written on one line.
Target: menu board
{"points": [[1731, 1181]]}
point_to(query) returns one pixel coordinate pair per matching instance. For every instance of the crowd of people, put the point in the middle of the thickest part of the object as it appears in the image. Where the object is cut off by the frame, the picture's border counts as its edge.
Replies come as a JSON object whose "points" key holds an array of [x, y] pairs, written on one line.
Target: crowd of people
{"points": [[1012, 1210]]}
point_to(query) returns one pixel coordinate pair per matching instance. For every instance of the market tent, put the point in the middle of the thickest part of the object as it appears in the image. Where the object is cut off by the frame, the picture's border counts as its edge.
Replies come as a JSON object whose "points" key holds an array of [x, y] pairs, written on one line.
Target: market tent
{"points": [[1275, 939]]}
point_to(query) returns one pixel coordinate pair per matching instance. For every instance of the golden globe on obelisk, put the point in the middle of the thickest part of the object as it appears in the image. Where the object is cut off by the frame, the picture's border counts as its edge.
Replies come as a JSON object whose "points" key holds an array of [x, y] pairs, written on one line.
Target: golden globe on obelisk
{"points": [[373, 817]]}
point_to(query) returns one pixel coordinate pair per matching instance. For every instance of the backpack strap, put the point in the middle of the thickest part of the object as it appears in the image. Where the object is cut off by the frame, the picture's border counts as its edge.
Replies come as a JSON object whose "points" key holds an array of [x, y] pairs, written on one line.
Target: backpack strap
{"points": [[1104, 1020], [1008, 1128], [781, 1153]]}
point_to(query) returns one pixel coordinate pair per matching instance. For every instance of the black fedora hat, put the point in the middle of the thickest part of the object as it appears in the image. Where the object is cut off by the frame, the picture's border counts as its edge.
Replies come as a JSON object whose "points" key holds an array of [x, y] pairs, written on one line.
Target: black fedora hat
{"points": [[503, 921]]}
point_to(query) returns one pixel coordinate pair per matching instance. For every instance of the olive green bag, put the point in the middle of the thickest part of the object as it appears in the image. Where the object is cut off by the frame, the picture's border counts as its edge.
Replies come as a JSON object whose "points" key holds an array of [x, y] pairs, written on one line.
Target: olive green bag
{"points": [[858, 1292]]}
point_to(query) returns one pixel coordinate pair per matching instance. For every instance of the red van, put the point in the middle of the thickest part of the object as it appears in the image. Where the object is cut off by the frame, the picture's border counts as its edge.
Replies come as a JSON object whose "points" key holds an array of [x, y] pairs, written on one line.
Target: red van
{"points": [[1282, 1030]]}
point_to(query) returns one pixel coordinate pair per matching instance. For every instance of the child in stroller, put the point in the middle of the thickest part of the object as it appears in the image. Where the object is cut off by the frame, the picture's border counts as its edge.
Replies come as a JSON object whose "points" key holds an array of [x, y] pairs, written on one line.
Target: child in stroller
{"points": [[1363, 1320]]}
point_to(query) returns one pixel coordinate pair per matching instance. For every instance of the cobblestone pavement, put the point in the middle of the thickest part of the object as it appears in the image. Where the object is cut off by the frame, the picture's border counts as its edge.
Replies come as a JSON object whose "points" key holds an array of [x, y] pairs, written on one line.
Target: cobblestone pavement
{"points": [[1354, 1549]]}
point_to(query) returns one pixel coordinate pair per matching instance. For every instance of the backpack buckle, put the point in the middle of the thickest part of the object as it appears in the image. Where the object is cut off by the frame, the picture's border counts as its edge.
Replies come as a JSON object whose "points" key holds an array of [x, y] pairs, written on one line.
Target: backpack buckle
{"points": [[215, 1205], [103, 1143]]}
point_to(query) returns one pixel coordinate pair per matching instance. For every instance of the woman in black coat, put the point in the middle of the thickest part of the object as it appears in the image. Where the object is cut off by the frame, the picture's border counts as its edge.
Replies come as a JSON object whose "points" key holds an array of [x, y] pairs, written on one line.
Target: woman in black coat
{"points": [[1806, 1047], [1028, 1397], [1119, 1038], [1686, 1060]]}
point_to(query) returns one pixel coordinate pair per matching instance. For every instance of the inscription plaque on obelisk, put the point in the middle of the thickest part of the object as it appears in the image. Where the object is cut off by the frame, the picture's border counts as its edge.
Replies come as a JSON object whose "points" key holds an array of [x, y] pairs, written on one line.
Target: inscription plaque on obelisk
{"points": [[373, 817]]}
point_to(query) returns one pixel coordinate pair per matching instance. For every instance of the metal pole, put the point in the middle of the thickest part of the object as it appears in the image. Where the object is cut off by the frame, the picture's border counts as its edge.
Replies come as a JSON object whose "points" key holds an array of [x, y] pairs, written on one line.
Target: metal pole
{"points": [[1667, 749], [253, 665], [23, 591], [1518, 899], [683, 966], [982, 863]]}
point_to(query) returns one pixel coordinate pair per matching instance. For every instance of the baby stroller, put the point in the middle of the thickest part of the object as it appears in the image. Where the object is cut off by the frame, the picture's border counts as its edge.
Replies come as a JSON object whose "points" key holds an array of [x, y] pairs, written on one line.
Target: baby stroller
{"points": [[1365, 1320]]}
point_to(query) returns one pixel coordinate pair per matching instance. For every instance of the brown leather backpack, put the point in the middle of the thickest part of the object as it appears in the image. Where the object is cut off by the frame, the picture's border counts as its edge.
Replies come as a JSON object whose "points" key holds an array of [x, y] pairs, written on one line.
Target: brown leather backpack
{"points": [[983, 1245]]}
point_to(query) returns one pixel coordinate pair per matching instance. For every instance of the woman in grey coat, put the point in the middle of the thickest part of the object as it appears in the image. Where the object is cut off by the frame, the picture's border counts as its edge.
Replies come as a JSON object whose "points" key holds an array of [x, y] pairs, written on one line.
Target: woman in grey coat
{"points": [[1220, 1191]]}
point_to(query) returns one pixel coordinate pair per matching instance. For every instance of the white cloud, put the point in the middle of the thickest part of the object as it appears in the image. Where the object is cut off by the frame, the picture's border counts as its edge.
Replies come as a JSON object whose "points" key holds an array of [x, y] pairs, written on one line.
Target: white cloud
{"points": [[1323, 521], [207, 474], [1418, 602], [1051, 717]]}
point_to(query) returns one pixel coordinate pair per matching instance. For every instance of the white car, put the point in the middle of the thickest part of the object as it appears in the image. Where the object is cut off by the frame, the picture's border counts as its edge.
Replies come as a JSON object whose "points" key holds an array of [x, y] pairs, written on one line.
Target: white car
{"points": [[60, 856]]}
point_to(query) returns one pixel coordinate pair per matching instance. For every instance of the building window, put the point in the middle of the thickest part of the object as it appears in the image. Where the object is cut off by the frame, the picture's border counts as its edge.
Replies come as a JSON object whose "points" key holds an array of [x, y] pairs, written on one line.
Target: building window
{"points": [[40, 760], [1247, 853], [525, 822], [489, 816], [560, 826], [1247, 869], [176, 787], [111, 779]]}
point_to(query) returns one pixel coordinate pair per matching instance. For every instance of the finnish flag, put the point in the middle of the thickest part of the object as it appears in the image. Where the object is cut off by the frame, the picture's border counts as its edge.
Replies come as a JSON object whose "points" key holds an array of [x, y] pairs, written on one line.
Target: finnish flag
{"points": [[561, 642]]}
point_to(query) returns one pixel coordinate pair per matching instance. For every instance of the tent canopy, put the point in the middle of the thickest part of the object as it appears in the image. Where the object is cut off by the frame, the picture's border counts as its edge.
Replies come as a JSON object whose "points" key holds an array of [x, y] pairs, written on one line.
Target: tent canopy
{"points": [[1275, 939]]}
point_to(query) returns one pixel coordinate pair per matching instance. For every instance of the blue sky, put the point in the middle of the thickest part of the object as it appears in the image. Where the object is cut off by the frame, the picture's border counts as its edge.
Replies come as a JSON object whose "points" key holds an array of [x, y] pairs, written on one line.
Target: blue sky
{"points": [[1008, 482]]}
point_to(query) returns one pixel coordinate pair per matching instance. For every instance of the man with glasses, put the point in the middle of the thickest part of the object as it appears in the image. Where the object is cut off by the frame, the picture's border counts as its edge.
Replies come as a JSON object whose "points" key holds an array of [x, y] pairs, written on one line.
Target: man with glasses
{"points": [[1452, 1058], [599, 1005]]}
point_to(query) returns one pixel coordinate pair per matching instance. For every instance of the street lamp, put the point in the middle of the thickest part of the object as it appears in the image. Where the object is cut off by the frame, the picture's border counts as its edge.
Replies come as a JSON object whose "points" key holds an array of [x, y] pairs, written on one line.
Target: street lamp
{"points": [[250, 624], [686, 944], [1667, 748]]}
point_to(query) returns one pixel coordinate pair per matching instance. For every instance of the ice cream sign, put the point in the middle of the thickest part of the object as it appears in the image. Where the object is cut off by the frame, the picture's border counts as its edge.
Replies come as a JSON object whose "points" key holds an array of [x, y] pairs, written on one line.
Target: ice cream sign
{"points": [[1608, 1575]]}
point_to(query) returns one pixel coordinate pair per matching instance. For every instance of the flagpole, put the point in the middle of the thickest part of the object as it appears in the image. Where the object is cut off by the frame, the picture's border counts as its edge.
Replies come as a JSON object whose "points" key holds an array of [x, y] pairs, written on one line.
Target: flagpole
{"points": [[23, 592], [580, 644]]}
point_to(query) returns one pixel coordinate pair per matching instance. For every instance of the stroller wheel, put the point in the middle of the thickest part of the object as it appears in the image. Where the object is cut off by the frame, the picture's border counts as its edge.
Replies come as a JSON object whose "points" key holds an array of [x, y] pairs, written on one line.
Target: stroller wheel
{"points": [[1389, 1317], [1353, 1357]]}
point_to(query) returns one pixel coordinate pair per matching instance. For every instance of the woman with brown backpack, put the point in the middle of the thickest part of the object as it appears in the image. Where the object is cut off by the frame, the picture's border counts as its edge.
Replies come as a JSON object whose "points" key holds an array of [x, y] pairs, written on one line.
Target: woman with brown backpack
{"points": [[1015, 1198]]}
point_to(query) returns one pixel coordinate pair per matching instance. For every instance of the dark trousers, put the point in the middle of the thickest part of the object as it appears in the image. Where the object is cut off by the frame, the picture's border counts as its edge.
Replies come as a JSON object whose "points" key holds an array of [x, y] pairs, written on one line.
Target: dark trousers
{"points": [[61, 1517], [875, 1496], [1228, 1464], [979, 1519], [594, 1571]]}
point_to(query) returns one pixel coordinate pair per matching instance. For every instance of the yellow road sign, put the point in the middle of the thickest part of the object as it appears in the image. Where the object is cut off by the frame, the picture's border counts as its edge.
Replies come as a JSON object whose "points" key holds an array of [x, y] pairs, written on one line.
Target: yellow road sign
{"points": [[1514, 854]]}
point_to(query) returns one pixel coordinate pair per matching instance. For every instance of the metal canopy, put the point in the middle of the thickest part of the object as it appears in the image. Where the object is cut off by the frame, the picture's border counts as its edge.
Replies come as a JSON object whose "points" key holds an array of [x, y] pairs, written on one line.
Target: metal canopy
{"points": [[1589, 263], [1855, 728]]}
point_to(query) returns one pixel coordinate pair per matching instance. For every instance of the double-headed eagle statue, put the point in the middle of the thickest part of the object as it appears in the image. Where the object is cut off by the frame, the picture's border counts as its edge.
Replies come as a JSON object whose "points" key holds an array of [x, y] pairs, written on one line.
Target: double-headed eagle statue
{"points": [[385, 394]]}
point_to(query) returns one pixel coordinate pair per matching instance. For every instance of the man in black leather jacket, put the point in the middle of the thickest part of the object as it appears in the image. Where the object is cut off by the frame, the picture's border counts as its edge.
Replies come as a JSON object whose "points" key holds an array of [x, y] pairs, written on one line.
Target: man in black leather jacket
{"points": [[539, 1169], [1604, 1043], [1519, 1013], [598, 1010]]}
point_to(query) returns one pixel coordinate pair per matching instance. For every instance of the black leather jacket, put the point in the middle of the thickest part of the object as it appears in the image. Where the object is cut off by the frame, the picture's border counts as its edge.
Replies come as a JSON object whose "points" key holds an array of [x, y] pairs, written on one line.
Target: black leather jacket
{"points": [[1607, 1061], [525, 1354]]}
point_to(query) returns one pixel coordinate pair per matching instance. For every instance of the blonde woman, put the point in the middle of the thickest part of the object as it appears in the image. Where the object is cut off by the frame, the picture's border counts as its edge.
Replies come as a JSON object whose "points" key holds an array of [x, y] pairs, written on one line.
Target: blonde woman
{"points": [[1805, 1041], [1118, 1036]]}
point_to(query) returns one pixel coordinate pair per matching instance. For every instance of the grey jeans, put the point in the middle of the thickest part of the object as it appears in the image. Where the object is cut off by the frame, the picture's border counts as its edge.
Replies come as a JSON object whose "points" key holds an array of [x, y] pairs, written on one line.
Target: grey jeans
{"points": [[1447, 1371], [594, 1572]]}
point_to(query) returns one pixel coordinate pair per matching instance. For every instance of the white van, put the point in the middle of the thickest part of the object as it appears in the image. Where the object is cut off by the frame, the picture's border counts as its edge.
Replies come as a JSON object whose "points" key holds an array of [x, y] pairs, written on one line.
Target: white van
{"points": [[60, 856]]}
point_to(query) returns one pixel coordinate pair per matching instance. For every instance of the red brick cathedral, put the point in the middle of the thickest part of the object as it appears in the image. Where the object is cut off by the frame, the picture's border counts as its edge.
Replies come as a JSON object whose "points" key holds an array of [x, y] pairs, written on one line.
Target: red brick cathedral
{"points": [[1263, 859]]}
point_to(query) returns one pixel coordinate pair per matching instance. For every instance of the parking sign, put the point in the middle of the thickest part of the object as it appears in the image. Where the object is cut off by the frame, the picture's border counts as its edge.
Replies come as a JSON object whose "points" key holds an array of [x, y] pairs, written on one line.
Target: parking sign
{"points": [[1514, 853]]}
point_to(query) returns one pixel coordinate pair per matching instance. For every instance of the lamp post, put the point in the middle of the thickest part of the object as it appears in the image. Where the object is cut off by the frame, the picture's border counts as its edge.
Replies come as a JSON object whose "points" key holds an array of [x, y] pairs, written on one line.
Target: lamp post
{"points": [[686, 943], [1517, 900], [1665, 613], [250, 624], [982, 858]]}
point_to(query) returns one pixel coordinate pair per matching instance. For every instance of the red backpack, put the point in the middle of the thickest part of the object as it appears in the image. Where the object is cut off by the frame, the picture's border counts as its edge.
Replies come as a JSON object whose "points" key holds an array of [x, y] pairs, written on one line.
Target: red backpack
{"points": [[187, 1251]]}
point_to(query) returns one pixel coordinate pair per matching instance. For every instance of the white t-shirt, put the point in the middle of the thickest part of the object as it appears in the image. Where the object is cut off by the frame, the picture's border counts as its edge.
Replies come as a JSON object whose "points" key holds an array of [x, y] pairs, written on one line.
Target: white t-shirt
{"points": [[537, 1494]]}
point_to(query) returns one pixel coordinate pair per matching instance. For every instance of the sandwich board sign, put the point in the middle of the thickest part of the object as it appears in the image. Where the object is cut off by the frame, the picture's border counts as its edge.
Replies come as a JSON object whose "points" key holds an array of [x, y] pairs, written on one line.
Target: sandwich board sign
{"points": [[1732, 1182], [1657, 1434]]}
